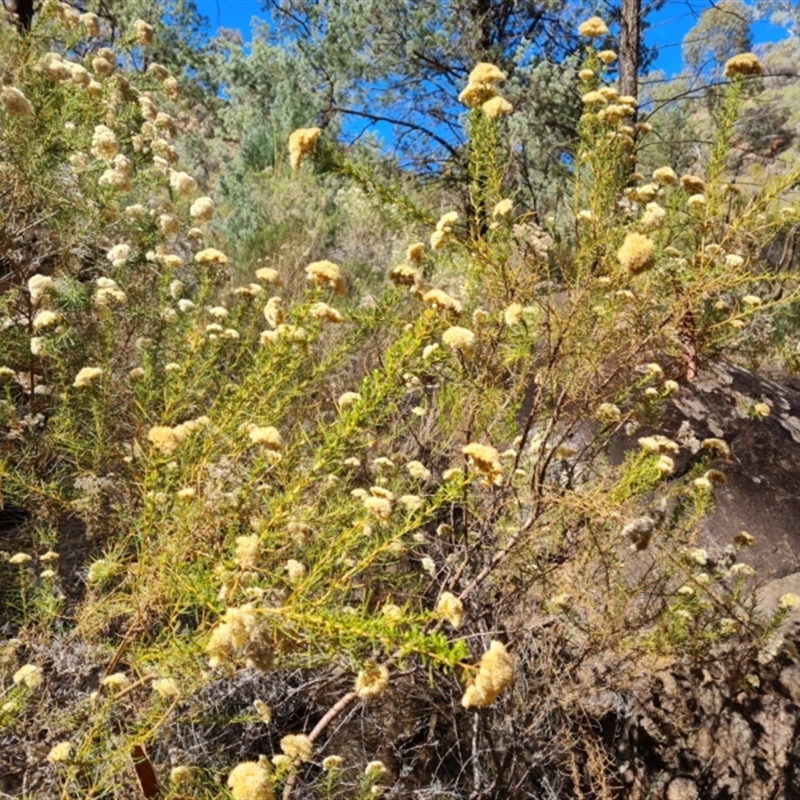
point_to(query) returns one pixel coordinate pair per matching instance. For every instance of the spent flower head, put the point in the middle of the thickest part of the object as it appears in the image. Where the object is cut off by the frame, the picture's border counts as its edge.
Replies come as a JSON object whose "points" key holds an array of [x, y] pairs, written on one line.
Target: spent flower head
{"points": [[485, 460], [144, 32], [15, 103], [372, 681], [104, 143], [91, 22], [743, 65]]}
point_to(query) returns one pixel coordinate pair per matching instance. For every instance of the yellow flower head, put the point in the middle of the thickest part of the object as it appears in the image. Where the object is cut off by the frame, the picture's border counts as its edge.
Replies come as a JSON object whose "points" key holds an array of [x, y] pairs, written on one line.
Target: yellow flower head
{"points": [[484, 72], [460, 339], [267, 436], [301, 142], [788, 601], [475, 94], [502, 209], [416, 469], [608, 413], [323, 311], [295, 570], [60, 752], [480, 86], [348, 398], [86, 376], [438, 239], [298, 746], [166, 687], [446, 221], [164, 439], [654, 217], [269, 275], [67, 16], [637, 253], [274, 313], [211, 256], [44, 319], [594, 98], [160, 73], [696, 201], [91, 22], [30, 675], [248, 551], [250, 781], [38, 286], [593, 27], [665, 175], [53, 66], [202, 209], [719, 446], [379, 507], [513, 314], [494, 675], [326, 273], [449, 607], [496, 107], [104, 143], [331, 762]]}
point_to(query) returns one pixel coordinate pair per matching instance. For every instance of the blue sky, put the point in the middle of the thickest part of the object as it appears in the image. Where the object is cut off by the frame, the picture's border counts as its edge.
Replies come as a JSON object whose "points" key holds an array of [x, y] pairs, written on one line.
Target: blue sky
{"points": [[667, 27]]}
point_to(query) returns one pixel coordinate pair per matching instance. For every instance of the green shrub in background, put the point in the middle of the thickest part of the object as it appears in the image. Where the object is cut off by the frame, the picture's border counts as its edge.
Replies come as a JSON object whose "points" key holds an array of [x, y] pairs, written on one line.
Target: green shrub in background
{"points": [[396, 503]]}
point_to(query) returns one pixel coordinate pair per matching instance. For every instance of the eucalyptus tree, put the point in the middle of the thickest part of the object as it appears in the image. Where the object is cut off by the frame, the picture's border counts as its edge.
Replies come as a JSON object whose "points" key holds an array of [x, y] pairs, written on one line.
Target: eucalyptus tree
{"points": [[722, 31], [397, 68]]}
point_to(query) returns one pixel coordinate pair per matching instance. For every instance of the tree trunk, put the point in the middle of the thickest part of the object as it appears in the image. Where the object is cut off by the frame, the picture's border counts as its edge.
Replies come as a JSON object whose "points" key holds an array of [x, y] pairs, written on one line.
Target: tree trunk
{"points": [[24, 12], [481, 13], [629, 41]]}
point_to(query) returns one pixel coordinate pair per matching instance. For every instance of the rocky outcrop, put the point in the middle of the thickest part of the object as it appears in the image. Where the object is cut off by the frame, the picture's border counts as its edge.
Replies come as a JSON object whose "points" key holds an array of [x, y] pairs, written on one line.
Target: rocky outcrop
{"points": [[760, 419], [724, 731]]}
